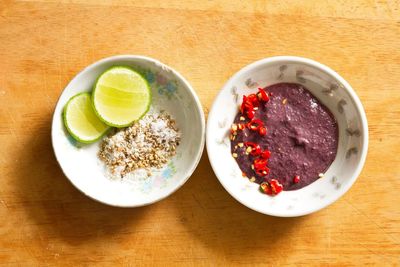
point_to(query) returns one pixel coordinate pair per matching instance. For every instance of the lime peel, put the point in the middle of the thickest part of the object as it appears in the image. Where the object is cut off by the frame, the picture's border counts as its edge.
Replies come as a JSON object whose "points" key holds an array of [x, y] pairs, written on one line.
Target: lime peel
{"points": [[81, 120]]}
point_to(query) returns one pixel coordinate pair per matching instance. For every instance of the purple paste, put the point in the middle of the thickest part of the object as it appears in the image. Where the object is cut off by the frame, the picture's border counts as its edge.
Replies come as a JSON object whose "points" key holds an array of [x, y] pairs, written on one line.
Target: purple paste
{"points": [[302, 135]]}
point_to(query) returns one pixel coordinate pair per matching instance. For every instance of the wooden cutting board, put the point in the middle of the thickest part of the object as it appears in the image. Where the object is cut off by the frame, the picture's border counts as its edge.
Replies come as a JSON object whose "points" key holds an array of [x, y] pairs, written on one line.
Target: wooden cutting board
{"points": [[44, 220]]}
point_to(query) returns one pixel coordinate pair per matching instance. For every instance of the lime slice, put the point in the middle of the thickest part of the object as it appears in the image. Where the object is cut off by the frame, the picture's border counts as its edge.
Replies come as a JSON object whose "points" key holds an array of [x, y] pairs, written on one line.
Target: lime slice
{"points": [[121, 96], [81, 120]]}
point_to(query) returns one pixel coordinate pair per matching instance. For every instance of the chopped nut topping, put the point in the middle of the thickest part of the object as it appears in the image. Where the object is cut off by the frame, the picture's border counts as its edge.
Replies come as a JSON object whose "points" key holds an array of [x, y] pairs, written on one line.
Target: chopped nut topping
{"points": [[148, 143]]}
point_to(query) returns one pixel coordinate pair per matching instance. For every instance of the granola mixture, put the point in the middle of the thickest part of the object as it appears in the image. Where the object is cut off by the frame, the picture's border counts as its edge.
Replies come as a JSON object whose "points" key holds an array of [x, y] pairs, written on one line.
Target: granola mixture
{"points": [[149, 143]]}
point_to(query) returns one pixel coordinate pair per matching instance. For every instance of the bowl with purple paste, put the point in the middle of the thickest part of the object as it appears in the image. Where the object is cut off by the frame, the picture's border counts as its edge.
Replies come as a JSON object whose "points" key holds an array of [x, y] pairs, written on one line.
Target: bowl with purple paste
{"points": [[287, 136]]}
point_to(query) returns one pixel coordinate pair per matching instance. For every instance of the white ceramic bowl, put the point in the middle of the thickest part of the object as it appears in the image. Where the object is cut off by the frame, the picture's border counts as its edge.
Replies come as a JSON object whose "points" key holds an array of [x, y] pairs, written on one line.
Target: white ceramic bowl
{"points": [[171, 92], [333, 91]]}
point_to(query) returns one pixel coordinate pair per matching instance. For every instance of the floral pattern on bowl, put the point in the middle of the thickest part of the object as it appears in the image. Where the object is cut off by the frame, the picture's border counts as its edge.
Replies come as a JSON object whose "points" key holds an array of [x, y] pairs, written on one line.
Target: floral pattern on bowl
{"points": [[170, 92], [333, 91], [159, 83]]}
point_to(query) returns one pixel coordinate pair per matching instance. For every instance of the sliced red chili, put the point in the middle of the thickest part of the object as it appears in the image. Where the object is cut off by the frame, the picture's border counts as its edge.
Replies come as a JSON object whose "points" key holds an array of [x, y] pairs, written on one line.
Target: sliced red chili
{"points": [[266, 154], [256, 151], [252, 98], [250, 144], [266, 188], [262, 95], [255, 124], [275, 186], [262, 131], [263, 172], [255, 148], [242, 107], [248, 105], [250, 114], [260, 164]]}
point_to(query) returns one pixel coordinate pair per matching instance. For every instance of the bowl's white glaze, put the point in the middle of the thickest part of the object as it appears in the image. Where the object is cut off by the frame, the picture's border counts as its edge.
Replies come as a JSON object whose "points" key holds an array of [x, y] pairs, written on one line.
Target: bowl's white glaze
{"points": [[333, 91], [170, 92]]}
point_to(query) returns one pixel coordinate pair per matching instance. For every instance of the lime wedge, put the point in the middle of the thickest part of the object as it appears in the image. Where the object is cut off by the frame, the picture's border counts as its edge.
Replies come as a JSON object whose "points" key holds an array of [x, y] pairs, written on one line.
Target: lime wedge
{"points": [[81, 120], [121, 96]]}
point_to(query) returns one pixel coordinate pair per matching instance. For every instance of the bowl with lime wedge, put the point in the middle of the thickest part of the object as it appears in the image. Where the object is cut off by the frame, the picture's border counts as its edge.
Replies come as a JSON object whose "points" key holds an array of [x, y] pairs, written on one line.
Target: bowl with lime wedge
{"points": [[128, 131]]}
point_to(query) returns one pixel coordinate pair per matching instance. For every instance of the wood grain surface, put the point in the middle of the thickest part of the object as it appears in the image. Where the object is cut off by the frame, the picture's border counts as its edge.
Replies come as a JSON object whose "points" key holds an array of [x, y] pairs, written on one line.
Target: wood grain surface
{"points": [[45, 221]]}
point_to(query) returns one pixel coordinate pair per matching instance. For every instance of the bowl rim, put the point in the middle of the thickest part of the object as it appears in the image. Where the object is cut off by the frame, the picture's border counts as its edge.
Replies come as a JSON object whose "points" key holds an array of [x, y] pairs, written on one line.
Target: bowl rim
{"points": [[186, 84], [330, 72]]}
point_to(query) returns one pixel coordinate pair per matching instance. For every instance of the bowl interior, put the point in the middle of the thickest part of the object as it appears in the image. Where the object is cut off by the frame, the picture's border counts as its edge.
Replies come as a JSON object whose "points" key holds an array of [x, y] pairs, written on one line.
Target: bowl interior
{"points": [[333, 92], [170, 92]]}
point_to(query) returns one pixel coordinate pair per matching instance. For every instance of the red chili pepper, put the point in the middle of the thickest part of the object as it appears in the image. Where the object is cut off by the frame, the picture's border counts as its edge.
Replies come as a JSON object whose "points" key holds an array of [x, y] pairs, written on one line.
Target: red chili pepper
{"points": [[255, 148], [266, 188], [262, 95], [260, 164], [250, 144], [248, 105], [250, 114], [296, 179], [242, 107], [256, 151], [255, 124], [262, 131], [252, 98], [276, 186], [263, 172], [266, 154]]}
